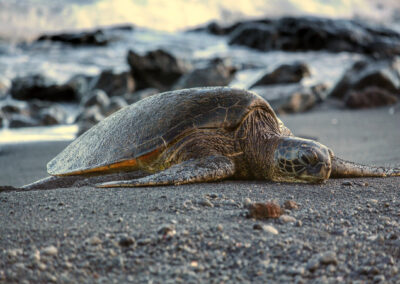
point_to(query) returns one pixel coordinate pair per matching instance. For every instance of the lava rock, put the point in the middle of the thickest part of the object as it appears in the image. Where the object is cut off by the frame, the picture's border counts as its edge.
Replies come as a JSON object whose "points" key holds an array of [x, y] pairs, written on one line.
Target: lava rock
{"points": [[15, 107], [81, 84], [313, 33], [39, 87], [114, 84], [52, 116], [383, 74], [284, 74], [369, 97], [156, 69], [3, 88], [217, 73], [96, 38], [264, 210], [18, 120], [215, 29], [96, 98], [292, 98]]}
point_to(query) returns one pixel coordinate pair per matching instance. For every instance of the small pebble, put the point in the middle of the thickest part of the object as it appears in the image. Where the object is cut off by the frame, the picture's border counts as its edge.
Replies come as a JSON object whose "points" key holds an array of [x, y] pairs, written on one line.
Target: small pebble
{"points": [[206, 203], [287, 219], [166, 230], [247, 202], [93, 241], [264, 210], [50, 250], [290, 204], [270, 229], [126, 241]]}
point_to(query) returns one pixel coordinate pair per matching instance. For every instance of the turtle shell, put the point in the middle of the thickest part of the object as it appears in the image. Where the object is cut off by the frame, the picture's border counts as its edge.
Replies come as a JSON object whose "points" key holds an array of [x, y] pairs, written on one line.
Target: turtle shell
{"points": [[148, 126]]}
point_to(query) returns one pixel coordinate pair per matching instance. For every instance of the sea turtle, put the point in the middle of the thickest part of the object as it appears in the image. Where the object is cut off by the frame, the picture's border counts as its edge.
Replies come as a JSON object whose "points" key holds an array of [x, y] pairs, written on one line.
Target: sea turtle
{"points": [[196, 135]]}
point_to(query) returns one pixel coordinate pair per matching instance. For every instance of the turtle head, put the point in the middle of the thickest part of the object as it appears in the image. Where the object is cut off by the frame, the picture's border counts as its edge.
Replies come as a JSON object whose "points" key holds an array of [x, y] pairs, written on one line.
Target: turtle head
{"points": [[301, 160]]}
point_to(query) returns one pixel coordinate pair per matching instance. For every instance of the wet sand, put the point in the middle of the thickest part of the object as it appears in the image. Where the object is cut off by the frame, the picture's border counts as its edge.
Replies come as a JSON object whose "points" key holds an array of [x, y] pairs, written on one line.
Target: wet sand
{"points": [[344, 230]]}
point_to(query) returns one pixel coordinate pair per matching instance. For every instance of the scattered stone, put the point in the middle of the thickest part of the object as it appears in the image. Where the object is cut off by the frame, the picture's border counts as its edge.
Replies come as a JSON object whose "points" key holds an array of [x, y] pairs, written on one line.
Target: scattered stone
{"points": [[369, 97], [247, 202], [50, 251], [94, 241], [114, 84], [96, 98], [217, 73], [96, 38], [52, 116], [287, 219], [264, 210], [290, 205], [270, 229], [17, 121], [13, 253], [379, 278], [313, 33], [285, 74], [347, 183], [127, 242], [292, 98], [328, 257], [156, 69], [367, 81], [205, 202], [166, 230], [35, 256], [39, 87], [144, 241]]}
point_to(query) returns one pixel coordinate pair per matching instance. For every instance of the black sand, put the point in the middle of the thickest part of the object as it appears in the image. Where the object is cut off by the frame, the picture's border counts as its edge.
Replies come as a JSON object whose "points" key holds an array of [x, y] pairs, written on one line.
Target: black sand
{"points": [[344, 230]]}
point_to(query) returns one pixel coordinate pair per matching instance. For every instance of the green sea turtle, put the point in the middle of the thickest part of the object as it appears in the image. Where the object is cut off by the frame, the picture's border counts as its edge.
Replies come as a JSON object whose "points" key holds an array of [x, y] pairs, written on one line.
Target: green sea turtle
{"points": [[196, 135]]}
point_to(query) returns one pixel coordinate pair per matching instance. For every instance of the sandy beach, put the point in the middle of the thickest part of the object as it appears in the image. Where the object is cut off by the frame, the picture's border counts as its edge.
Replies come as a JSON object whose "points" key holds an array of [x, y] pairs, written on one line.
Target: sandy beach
{"points": [[344, 230]]}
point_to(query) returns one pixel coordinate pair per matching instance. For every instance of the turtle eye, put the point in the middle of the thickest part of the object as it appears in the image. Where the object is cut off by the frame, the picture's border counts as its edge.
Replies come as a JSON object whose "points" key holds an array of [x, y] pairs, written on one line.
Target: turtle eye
{"points": [[309, 158]]}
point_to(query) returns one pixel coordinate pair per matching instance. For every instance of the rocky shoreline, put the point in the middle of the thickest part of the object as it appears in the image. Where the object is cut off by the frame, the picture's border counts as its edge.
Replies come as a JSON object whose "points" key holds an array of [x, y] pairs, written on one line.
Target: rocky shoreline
{"points": [[372, 81]]}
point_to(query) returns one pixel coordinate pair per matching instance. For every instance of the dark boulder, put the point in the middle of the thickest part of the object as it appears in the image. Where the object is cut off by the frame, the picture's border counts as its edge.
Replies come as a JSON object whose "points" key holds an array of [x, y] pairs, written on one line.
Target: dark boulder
{"points": [[114, 84], [384, 74], [19, 120], [292, 98], [156, 69], [3, 88], [285, 74], [369, 97], [217, 73], [52, 115], [95, 38], [80, 84], [312, 33], [215, 28], [39, 87], [96, 98]]}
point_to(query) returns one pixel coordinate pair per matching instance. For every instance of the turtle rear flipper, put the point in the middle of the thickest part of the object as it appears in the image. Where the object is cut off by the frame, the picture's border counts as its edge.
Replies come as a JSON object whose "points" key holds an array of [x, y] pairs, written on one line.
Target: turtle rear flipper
{"points": [[342, 168], [212, 168]]}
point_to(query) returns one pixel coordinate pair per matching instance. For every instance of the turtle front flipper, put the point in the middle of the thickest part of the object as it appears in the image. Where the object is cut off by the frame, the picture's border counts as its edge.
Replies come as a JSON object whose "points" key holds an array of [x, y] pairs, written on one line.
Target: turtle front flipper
{"points": [[342, 168], [207, 169]]}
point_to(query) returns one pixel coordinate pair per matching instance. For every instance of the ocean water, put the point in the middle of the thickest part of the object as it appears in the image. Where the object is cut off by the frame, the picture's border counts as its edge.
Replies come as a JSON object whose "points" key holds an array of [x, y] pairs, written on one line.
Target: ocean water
{"points": [[25, 19]]}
